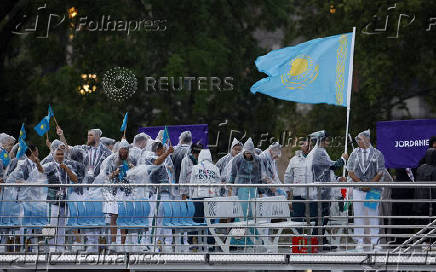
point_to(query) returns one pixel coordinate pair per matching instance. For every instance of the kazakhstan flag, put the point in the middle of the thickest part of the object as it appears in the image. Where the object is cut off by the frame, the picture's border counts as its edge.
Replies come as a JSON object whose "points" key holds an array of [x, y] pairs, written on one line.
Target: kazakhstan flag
{"points": [[43, 126], [313, 72]]}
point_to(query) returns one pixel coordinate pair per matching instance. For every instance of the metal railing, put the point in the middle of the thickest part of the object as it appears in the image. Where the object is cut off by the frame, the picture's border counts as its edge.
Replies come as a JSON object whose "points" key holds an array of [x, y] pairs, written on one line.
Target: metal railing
{"points": [[247, 228]]}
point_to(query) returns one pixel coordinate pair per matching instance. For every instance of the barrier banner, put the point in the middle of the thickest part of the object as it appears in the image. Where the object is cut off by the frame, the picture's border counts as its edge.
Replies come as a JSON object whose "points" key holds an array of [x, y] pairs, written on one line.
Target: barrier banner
{"points": [[199, 132], [403, 143]]}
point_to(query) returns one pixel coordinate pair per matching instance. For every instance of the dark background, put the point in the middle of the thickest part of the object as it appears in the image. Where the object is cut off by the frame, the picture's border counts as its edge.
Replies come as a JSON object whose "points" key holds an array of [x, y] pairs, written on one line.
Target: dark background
{"points": [[207, 38]]}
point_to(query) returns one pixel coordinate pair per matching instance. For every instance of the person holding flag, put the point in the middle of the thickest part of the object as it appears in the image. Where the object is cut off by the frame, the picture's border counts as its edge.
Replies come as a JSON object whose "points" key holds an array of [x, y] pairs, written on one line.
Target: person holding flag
{"points": [[58, 171], [6, 144], [158, 174], [17, 152], [323, 167], [26, 171], [116, 173]]}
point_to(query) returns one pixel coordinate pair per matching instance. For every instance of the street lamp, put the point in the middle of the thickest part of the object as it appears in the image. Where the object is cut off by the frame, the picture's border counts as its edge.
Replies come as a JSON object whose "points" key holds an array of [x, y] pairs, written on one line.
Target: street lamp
{"points": [[88, 85], [72, 12]]}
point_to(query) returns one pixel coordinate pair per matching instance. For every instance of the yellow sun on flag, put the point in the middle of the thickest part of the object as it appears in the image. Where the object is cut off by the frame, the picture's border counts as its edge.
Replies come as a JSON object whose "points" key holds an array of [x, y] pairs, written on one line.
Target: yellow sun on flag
{"points": [[42, 126], [298, 66], [5, 155], [301, 72]]}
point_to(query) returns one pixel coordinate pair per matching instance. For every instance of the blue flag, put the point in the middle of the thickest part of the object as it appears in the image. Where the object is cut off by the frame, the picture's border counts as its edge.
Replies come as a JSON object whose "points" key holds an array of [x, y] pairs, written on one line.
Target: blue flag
{"points": [[50, 112], [165, 136], [123, 170], [22, 147], [43, 126], [22, 133], [124, 124], [313, 72], [4, 157]]}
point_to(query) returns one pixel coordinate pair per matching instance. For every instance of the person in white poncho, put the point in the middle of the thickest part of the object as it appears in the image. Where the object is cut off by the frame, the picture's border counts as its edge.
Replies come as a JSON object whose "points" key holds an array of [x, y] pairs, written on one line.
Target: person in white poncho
{"points": [[25, 172], [205, 172], [270, 174], [116, 173], [366, 164]]}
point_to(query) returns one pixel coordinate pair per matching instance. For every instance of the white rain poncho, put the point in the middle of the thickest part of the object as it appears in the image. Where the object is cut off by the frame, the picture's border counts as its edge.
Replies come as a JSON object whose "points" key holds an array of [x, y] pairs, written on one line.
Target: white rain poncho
{"points": [[5, 142], [222, 163], [26, 172], [204, 173], [107, 142], [54, 145], [97, 134], [366, 163], [247, 171], [299, 172], [159, 137], [14, 150], [140, 175], [270, 173], [225, 176], [185, 138], [112, 194], [323, 166], [6, 139], [138, 152], [158, 174], [182, 148], [77, 156], [185, 173]]}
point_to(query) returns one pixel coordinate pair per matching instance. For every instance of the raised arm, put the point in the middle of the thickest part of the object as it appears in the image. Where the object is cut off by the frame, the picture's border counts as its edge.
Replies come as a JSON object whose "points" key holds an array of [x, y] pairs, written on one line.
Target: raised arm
{"points": [[162, 157]]}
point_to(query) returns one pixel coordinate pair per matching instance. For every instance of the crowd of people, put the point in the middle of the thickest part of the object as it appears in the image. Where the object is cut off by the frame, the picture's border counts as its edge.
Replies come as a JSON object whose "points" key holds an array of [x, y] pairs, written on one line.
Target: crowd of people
{"points": [[155, 161]]}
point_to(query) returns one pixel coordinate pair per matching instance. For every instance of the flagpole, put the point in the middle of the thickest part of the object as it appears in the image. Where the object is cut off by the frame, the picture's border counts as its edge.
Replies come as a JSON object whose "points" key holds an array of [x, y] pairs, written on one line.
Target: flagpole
{"points": [[349, 85], [54, 118]]}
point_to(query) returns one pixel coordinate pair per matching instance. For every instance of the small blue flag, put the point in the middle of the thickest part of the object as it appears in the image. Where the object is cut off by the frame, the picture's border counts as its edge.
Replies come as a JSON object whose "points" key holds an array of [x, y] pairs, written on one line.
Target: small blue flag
{"points": [[124, 125], [165, 136], [123, 170], [317, 71], [22, 133], [50, 112], [22, 147], [4, 157], [43, 126]]}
